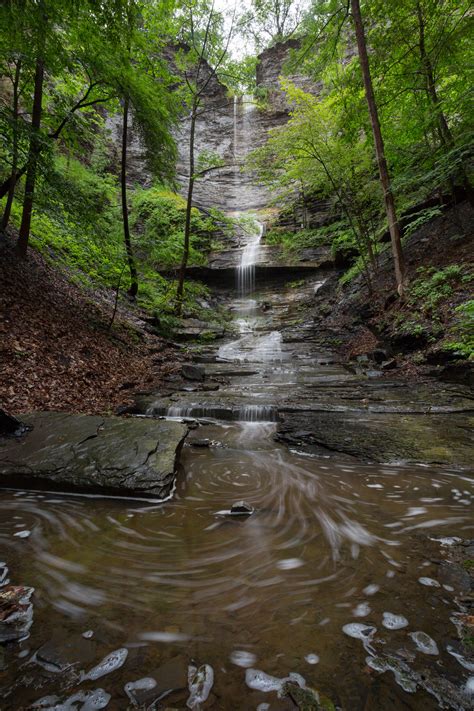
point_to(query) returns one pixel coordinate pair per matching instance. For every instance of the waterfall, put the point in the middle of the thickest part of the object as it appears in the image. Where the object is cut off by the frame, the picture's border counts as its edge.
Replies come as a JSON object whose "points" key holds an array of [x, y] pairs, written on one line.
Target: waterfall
{"points": [[246, 268]]}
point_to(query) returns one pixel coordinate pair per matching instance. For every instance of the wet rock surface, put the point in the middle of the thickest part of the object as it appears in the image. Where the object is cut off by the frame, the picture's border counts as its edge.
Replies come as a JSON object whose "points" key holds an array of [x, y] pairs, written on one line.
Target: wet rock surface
{"points": [[16, 613], [113, 456], [287, 371]]}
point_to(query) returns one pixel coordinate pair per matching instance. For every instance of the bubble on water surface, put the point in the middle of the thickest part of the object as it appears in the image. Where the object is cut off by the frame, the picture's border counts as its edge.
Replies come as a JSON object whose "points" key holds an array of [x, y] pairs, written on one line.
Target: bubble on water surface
{"points": [[312, 658], [22, 534], [242, 658], [259, 680], [371, 589], [400, 670], [361, 610], [394, 622], [424, 643], [110, 663], [164, 637], [461, 659], [145, 684], [200, 683], [81, 701], [290, 563], [88, 634], [429, 582], [416, 511], [447, 540], [358, 630]]}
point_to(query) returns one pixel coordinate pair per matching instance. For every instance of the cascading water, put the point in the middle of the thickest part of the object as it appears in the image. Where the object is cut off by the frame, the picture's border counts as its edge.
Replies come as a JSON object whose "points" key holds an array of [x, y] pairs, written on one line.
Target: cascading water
{"points": [[249, 258]]}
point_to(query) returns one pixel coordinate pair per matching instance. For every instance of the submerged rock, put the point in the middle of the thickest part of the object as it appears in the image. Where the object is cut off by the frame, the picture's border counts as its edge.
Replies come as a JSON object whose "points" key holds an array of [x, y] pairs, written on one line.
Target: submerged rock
{"points": [[307, 699], [242, 508], [105, 456], [16, 613]]}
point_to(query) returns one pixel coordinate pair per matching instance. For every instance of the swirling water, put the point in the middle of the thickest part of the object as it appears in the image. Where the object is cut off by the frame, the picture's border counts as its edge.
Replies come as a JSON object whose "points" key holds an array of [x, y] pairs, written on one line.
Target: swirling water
{"points": [[329, 545]]}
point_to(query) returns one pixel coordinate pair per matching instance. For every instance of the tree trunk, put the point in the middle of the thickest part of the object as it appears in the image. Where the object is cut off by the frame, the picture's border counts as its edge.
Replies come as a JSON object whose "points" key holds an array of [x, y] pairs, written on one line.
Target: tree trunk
{"points": [[133, 290], [187, 227], [398, 258], [33, 154], [11, 189], [443, 128]]}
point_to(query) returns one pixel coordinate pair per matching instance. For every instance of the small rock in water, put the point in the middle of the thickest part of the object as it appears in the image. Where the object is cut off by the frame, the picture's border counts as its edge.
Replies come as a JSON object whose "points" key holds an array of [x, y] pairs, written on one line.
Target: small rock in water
{"points": [[394, 622], [242, 658], [16, 613], [200, 443], [424, 643], [242, 508], [145, 684], [200, 683], [110, 663], [429, 582], [305, 698]]}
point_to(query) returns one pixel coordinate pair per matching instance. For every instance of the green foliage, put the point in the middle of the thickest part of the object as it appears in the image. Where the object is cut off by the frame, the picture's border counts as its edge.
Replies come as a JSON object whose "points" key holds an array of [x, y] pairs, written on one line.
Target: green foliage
{"points": [[433, 286], [419, 219], [464, 331], [158, 216]]}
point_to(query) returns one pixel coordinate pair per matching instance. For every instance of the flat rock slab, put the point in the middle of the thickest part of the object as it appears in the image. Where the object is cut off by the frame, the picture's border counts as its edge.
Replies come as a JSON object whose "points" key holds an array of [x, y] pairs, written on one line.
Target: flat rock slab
{"points": [[101, 455], [381, 437]]}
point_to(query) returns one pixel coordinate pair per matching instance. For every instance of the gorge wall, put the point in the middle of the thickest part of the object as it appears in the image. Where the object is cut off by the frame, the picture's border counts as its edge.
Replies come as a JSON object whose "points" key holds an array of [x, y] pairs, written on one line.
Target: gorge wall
{"points": [[230, 127]]}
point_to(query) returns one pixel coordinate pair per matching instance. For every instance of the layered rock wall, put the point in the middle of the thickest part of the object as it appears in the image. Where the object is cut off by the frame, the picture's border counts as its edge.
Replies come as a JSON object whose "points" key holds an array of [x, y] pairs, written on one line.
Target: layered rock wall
{"points": [[229, 127]]}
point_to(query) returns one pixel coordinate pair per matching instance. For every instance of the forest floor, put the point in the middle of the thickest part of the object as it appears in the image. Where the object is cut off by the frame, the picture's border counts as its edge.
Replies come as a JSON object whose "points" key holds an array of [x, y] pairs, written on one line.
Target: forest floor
{"points": [[56, 349], [412, 334]]}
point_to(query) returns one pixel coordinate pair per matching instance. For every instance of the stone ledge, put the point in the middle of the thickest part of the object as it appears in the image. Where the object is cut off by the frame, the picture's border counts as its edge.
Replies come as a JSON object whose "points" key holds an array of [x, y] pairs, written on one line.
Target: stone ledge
{"points": [[99, 455]]}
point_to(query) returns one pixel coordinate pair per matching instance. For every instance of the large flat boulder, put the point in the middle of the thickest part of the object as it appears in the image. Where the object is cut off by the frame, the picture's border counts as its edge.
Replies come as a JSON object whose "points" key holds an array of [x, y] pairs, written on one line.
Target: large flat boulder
{"points": [[444, 439], [102, 455]]}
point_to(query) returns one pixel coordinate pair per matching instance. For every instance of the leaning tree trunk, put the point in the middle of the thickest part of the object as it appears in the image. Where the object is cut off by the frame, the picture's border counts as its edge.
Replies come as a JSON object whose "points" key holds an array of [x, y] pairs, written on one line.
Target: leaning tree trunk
{"points": [[133, 290], [33, 155], [398, 258], [15, 114], [187, 226]]}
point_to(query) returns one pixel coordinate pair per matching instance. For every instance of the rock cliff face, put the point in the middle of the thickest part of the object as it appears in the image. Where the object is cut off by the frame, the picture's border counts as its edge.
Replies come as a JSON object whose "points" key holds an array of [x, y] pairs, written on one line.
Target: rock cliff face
{"points": [[227, 126]]}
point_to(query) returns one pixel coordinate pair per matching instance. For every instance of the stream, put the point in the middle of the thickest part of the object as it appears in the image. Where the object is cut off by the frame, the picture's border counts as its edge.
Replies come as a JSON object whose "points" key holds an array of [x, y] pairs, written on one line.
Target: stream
{"points": [[335, 577]]}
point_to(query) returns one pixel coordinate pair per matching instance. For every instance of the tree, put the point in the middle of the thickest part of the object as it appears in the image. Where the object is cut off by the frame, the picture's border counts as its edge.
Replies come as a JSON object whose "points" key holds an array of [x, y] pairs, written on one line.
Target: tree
{"points": [[200, 65], [271, 21], [395, 236]]}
